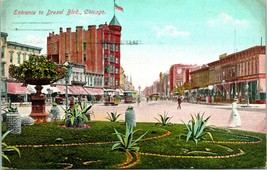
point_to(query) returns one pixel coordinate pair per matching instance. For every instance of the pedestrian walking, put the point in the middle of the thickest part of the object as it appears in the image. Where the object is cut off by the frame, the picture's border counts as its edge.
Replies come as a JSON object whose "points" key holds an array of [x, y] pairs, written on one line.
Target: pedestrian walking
{"points": [[179, 102], [138, 100], [235, 120]]}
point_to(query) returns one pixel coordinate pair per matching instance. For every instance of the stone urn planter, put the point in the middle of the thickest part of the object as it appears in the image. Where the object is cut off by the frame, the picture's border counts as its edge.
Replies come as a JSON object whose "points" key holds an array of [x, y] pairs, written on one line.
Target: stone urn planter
{"points": [[130, 116], [13, 119], [38, 70]]}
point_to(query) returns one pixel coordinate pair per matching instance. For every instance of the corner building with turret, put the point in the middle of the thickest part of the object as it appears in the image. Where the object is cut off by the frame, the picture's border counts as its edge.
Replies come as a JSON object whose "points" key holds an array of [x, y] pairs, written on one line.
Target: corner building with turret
{"points": [[98, 49]]}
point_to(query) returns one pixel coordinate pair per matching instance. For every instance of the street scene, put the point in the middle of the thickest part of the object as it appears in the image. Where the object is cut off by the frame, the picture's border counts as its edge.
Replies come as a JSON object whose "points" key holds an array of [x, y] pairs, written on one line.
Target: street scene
{"points": [[189, 75], [253, 118]]}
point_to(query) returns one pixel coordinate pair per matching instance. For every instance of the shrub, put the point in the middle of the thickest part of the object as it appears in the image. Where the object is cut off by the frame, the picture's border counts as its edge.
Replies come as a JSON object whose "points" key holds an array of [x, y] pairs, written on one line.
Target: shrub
{"points": [[113, 116], [164, 119], [77, 116], [126, 141], [6, 148], [196, 127]]}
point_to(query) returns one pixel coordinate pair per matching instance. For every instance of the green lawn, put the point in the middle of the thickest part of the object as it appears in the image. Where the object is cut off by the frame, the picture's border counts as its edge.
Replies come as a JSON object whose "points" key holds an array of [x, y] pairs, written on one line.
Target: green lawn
{"points": [[161, 147]]}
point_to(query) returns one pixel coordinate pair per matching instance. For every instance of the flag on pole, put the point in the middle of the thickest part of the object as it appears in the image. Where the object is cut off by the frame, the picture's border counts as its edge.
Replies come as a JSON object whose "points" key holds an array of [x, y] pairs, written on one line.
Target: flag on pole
{"points": [[118, 8]]}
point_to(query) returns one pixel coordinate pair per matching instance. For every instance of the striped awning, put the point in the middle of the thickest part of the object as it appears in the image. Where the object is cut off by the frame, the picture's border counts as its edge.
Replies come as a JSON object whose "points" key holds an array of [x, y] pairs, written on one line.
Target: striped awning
{"points": [[17, 88]]}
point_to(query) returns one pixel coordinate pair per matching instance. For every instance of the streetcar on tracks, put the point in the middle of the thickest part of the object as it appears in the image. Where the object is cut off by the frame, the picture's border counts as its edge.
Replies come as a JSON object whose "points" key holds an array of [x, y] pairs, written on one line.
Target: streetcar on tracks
{"points": [[111, 97], [130, 96]]}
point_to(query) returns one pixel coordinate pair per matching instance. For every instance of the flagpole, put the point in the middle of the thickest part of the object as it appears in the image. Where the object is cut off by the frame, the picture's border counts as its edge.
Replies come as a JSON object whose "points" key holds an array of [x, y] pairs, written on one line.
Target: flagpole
{"points": [[114, 7]]}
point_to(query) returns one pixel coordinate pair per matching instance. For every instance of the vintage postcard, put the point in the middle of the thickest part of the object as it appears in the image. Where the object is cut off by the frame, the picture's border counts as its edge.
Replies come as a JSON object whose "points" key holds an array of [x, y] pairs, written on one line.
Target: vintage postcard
{"points": [[144, 84]]}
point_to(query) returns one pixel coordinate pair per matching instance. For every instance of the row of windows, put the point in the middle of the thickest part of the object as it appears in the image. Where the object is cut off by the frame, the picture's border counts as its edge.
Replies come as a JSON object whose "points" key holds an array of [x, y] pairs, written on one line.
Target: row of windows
{"points": [[112, 47], [110, 69], [110, 82], [111, 58], [247, 68], [20, 57]]}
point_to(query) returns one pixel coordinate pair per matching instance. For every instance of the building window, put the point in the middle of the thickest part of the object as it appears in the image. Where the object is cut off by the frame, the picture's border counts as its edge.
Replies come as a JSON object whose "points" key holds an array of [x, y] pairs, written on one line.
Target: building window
{"points": [[106, 57], [3, 52], [11, 57], [117, 60], [106, 81], [248, 68], [105, 46], [18, 58], [106, 69], [84, 45], [84, 57], [117, 47], [256, 66], [24, 57], [117, 71], [55, 48], [3, 69], [116, 82]]}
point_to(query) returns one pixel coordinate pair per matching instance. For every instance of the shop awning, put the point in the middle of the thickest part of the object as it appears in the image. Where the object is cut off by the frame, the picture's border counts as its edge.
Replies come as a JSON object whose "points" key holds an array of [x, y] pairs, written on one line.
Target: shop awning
{"points": [[46, 89], [90, 91], [16, 88], [99, 91], [78, 90], [62, 89], [94, 91]]}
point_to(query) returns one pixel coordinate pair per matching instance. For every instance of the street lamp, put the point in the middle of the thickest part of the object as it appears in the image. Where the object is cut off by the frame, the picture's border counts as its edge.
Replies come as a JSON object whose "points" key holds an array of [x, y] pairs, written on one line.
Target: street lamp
{"points": [[223, 88], [67, 79], [139, 89], [247, 88]]}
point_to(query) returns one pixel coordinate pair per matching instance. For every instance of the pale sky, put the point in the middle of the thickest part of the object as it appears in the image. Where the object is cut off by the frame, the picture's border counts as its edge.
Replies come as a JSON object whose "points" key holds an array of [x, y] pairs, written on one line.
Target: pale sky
{"points": [[170, 31]]}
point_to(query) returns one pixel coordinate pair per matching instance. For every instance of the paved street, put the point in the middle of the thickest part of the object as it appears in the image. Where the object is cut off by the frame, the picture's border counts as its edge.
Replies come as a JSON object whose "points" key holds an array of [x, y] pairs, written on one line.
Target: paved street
{"points": [[253, 117]]}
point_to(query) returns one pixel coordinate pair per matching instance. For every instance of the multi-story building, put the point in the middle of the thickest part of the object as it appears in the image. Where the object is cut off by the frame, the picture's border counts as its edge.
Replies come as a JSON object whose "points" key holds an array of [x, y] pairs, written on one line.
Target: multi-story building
{"points": [[164, 85], [200, 79], [179, 74], [96, 48], [241, 74], [14, 53]]}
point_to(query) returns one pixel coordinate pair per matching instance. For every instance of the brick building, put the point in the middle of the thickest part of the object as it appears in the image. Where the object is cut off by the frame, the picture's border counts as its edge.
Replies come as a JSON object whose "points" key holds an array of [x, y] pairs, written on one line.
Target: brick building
{"points": [[179, 74], [96, 48], [241, 74]]}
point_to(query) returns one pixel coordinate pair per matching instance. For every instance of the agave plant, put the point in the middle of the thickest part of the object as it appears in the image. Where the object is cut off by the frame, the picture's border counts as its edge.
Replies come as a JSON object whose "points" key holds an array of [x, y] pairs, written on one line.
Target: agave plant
{"points": [[113, 116], [164, 119], [77, 116], [6, 148], [196, 127], [126, 142]]}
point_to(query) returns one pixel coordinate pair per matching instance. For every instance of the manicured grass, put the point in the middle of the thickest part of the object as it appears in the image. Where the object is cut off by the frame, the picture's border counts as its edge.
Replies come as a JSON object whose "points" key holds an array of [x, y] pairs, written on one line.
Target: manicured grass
{"points": [[162, 147]]}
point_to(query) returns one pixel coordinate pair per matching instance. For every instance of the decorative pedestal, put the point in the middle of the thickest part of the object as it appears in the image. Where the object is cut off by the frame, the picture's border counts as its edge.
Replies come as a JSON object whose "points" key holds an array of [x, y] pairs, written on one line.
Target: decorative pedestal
{"points": [[13, 123], [38, 106]]}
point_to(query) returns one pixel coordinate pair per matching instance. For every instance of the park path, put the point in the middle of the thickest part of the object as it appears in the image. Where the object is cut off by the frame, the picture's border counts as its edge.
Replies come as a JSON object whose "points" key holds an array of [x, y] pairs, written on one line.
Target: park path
{"points": [[253, 117]]}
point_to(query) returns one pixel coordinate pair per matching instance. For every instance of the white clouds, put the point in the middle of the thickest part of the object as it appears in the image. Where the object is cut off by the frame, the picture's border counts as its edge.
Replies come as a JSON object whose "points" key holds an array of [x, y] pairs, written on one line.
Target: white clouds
{"points": [[33, 39], [170, 31], [224, 20]]}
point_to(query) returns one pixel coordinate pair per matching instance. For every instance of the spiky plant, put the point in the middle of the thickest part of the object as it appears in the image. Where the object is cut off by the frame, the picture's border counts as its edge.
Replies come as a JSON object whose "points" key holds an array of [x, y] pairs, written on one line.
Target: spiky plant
{"points": [[164, 119], [126, 142], [196, 128], [113, 116], [6, 148]]}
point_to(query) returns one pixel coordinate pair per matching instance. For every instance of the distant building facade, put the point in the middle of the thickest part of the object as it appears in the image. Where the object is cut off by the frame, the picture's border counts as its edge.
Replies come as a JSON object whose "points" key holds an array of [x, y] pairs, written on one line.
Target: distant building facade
{"points": [[179, 74], [240, 74]]}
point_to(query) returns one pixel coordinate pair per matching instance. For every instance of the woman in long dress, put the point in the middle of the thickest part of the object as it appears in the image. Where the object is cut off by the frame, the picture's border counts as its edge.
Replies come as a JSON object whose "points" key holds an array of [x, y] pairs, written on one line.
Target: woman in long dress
{"points": [[235, 120]]}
